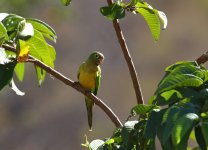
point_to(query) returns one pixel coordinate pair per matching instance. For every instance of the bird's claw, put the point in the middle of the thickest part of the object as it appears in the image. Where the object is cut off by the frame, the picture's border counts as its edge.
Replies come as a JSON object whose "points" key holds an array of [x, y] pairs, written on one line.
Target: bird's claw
{"points": [[87, 92]]}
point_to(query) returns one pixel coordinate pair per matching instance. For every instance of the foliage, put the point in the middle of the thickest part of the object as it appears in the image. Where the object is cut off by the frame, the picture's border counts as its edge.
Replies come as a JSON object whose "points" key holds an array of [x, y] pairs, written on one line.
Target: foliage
{"points": [[183, 95], [27, 35], [152, 16]]}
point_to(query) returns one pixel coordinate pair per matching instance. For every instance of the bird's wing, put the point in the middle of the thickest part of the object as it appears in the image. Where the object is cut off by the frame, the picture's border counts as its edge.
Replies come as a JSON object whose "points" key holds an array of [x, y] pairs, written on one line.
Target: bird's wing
{"points": [[97, 81]]}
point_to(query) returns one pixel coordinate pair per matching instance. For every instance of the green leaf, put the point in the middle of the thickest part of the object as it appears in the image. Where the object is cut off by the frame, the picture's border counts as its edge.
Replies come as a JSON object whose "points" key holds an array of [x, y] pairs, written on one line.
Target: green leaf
{"points": [[14, 24], [170, 118], [20, 71], [181, 63], [40, 75], [152, 20], [134, 2], [192, 135], [11, 22], [66, 2], [181, 75], [113, 140], [204, 129], [141, 109], [199, 138], [151, 127], [127, 135], [113, 12], [168, 97], [3, 34], [52, 53], [172, 96], [42, 51], [44, 28], [6, 73], [183, 126]]}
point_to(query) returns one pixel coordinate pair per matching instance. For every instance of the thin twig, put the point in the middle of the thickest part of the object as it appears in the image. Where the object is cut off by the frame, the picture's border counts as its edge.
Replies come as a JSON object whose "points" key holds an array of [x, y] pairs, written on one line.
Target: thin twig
{"points": [[128, 59], [74, 85], [202, 59]]}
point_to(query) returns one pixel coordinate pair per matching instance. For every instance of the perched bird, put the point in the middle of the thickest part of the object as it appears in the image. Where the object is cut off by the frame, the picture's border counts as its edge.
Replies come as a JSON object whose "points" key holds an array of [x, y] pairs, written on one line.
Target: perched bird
{"points": [[89, 75]]}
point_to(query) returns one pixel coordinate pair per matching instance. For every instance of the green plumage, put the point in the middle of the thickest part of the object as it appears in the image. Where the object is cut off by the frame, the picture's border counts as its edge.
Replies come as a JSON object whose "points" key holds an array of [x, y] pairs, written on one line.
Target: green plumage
{"points": [[89, 75]]}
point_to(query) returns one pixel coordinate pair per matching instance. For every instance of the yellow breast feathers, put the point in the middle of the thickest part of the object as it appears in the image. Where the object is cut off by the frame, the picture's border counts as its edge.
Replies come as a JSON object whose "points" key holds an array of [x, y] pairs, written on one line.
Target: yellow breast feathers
{"points": [[87, 77]]}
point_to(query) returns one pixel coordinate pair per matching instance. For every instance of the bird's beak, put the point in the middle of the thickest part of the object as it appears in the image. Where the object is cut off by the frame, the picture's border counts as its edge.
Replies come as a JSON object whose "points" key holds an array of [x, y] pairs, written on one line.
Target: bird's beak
{"points": [[100, 60]]}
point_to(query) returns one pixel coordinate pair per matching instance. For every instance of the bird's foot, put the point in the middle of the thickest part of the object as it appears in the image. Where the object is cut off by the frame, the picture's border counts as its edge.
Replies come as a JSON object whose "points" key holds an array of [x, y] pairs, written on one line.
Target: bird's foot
{"points": [[87, 92]]}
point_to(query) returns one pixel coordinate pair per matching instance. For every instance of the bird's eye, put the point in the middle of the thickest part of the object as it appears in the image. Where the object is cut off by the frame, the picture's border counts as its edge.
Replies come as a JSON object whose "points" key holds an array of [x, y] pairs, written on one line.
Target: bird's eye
{"points": [[96, 55]]}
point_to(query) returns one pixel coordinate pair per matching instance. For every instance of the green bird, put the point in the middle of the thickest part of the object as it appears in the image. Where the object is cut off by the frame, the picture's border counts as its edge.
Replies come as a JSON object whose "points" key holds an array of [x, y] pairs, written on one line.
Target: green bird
{"points": [[89, 75]]}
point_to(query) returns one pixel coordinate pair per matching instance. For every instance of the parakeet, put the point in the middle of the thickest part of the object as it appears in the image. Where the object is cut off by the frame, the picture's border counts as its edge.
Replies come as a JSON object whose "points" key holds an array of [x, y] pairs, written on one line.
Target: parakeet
{"points": [[89, 75]]}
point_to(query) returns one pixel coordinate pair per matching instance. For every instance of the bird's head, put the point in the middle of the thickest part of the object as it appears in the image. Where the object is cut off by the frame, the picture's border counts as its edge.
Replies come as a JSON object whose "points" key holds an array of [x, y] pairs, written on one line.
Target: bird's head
{"points": [[96, 58]]}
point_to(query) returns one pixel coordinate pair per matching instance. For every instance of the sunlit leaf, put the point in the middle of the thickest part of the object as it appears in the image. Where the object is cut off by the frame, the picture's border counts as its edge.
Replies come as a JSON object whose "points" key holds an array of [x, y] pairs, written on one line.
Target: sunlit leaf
{"points": [[52, 52], [168, 97], [20, 70], [141, 109], [114, 140], [66, 2], [113, 12], [181, 75], [174, 95], [183, 126], [3, 15], [27, 30], [13, 24], [134, 2], [40, 75], [15, 89], [152, 20], [40, 49], [3, 34], [181, 63], [163, 19], [44, 28]]}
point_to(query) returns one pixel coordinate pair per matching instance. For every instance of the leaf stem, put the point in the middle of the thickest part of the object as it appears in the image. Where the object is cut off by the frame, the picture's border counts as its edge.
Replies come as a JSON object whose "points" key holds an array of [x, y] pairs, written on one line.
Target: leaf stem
{"points": [[128, 59], [73, 84]]}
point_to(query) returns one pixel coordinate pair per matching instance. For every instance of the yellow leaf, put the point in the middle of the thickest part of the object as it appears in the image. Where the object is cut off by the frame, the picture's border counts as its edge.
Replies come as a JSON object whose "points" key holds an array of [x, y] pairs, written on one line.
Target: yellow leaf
{"points": [[24, 51]]}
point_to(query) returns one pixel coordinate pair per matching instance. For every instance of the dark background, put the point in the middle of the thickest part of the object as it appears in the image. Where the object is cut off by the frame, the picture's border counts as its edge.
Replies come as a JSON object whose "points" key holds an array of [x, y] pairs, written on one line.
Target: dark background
{"points": [[53, 116]]}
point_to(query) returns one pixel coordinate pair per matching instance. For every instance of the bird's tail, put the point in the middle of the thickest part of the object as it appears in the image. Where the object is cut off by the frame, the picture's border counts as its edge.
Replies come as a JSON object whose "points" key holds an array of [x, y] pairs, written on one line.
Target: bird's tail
{"points": [[89, 104]]}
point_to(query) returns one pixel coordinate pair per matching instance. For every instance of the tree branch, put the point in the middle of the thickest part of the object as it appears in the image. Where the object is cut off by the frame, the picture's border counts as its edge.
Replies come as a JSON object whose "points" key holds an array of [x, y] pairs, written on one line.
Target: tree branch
{"points": [[202, 59], [128, 59], [73, 84]]}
